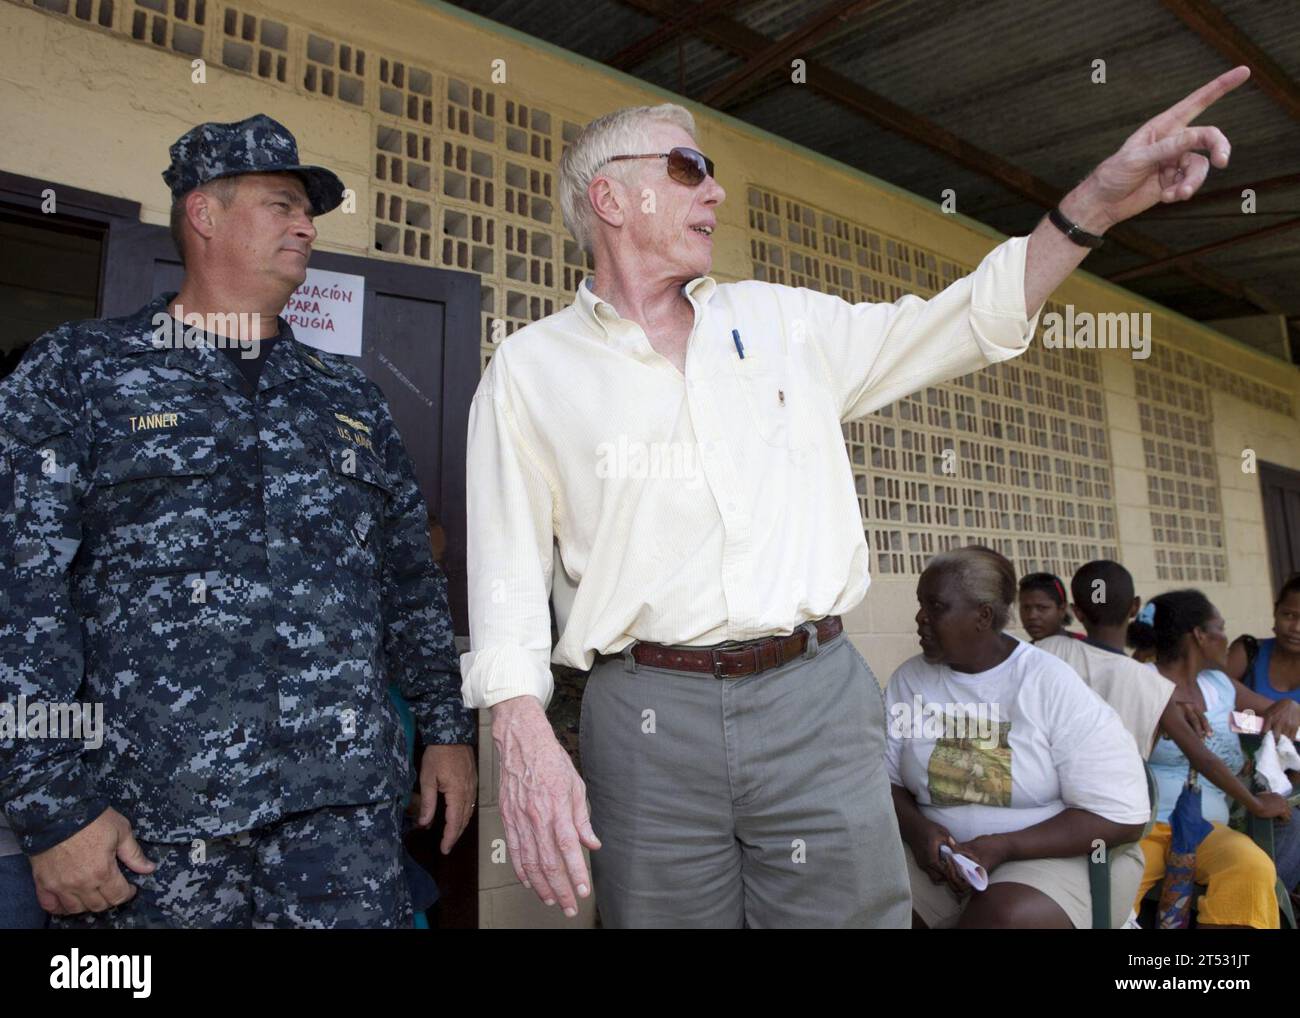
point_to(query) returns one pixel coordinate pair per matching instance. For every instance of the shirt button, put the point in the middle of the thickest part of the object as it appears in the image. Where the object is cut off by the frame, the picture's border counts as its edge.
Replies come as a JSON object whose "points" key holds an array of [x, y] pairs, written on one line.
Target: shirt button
{"points": [[731, 507]]}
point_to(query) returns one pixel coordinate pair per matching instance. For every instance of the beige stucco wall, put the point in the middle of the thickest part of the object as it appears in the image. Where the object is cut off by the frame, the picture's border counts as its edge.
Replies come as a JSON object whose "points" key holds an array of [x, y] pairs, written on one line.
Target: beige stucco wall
{"points": [[93, 109]]}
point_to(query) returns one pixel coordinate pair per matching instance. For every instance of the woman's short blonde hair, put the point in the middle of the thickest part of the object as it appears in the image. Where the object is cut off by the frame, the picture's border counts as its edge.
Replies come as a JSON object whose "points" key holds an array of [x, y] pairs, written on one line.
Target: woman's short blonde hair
{"points": [[622, 132]]}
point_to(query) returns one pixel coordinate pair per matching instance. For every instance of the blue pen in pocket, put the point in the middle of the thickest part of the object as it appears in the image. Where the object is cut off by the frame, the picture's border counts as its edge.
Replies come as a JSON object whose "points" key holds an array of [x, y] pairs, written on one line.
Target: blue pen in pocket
{"points": [[740, 347]]}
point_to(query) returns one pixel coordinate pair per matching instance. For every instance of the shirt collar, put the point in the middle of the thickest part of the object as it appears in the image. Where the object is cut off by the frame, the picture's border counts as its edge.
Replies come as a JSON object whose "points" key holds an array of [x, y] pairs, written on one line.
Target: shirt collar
{"points": [[603, 317], [1102, 646]]}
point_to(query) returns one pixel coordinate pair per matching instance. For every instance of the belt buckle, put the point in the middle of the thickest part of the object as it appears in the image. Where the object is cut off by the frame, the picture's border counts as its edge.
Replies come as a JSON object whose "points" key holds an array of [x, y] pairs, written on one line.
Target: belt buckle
{"points": [[753, 648]]}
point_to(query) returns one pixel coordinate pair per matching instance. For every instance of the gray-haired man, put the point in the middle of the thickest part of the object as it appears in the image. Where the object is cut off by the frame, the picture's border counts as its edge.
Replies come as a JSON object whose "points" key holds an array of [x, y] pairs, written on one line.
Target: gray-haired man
{"points": [[678, 443]]}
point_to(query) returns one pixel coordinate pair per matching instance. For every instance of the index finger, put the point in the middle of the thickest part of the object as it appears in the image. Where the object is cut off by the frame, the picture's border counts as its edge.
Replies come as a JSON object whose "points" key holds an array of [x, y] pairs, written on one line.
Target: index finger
{"points": [[1182, 113]]}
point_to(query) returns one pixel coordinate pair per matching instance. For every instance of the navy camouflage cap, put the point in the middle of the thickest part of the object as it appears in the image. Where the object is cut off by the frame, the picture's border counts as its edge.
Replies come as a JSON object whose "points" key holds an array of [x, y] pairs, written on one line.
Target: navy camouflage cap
{"points": [[256, 145]]}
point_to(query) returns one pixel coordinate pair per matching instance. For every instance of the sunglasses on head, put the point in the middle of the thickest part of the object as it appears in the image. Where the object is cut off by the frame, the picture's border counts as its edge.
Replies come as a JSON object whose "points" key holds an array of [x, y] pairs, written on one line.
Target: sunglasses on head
{"points": [[685, 165]]}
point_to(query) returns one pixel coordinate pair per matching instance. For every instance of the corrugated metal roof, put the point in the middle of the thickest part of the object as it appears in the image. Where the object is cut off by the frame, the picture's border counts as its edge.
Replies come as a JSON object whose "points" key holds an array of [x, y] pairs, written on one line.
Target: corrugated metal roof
{"points": [[1015, 80]]}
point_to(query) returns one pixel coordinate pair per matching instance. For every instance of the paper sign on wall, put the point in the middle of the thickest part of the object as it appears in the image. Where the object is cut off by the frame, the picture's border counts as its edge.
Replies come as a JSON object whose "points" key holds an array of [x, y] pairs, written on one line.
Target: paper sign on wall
{"points": [[325, 312]]}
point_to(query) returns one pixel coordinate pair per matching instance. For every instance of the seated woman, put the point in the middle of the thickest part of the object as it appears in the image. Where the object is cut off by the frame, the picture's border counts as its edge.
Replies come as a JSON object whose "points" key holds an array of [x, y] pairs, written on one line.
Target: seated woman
{"points": [[1044, 608], [1191, 650], [1013, 763], [1272, 669]]}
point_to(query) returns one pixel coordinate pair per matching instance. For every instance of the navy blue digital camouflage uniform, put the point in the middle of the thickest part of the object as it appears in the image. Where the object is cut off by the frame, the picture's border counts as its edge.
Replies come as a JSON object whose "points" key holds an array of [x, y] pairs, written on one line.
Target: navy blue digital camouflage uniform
{"points": [[237, 578]]}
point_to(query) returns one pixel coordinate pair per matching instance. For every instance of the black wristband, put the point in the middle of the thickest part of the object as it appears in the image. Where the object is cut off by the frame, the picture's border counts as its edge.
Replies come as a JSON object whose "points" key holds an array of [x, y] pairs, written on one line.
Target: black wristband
{"points": [[1081, 237]]}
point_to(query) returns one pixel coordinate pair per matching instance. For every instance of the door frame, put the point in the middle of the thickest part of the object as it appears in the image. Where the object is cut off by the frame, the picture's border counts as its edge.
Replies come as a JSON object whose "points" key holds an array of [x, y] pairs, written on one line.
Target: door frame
{"points": [[1281, 537], [85, 208]]}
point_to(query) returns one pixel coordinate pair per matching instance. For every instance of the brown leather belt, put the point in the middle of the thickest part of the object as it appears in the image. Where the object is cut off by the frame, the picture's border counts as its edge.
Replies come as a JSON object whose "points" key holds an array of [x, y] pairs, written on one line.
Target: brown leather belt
{"points": [[738, 659]]}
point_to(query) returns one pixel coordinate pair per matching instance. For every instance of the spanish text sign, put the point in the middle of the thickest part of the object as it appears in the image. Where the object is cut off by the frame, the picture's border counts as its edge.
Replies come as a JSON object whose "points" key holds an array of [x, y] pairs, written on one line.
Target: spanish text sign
{"points": [[325, 311]]}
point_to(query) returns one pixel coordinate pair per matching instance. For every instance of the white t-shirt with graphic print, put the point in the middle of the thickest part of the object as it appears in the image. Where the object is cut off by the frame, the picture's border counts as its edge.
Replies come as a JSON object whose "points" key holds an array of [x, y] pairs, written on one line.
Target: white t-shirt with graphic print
{"points": [[1008, 748]]}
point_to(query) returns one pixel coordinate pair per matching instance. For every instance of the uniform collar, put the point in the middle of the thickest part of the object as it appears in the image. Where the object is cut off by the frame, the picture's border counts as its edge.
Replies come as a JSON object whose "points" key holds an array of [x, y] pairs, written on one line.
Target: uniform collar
{"points": [[138, 334], [288, 358], [291, 359]]}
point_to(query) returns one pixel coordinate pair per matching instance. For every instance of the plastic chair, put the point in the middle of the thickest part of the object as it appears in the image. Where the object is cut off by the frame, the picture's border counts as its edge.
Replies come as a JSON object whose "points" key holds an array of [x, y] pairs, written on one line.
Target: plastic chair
{"points": [[1099, 872], [1260, 831]]}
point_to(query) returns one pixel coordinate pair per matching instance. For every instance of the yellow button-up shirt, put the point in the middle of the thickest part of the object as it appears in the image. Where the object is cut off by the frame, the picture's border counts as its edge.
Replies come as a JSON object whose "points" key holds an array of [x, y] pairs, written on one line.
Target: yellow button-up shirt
{"points": [[701, 507]]}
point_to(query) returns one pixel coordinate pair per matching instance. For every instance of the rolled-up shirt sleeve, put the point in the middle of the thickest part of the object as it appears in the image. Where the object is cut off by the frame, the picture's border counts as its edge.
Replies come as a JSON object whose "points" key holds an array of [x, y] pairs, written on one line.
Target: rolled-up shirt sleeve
{"points": [[510, 508], [876, 353]]}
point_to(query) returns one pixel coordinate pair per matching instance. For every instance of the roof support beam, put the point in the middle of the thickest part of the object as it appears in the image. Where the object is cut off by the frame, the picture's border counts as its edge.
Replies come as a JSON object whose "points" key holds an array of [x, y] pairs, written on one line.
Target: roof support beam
{"points": [[670, 30], [1218, 245], [799, 38], [1207, 21], [1226, 193]]}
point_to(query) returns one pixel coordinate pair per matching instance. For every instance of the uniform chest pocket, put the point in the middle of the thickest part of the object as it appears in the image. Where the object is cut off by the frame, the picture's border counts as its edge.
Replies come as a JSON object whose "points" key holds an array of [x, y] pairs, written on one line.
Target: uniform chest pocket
{"points": [[777, 398], [159, 454], [362, 488], [152, 502]]}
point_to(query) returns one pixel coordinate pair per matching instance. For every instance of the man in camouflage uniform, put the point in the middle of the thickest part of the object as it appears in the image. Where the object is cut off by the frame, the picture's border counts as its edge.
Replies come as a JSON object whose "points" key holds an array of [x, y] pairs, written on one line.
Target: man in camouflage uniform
{"points": [[226, 548]]}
